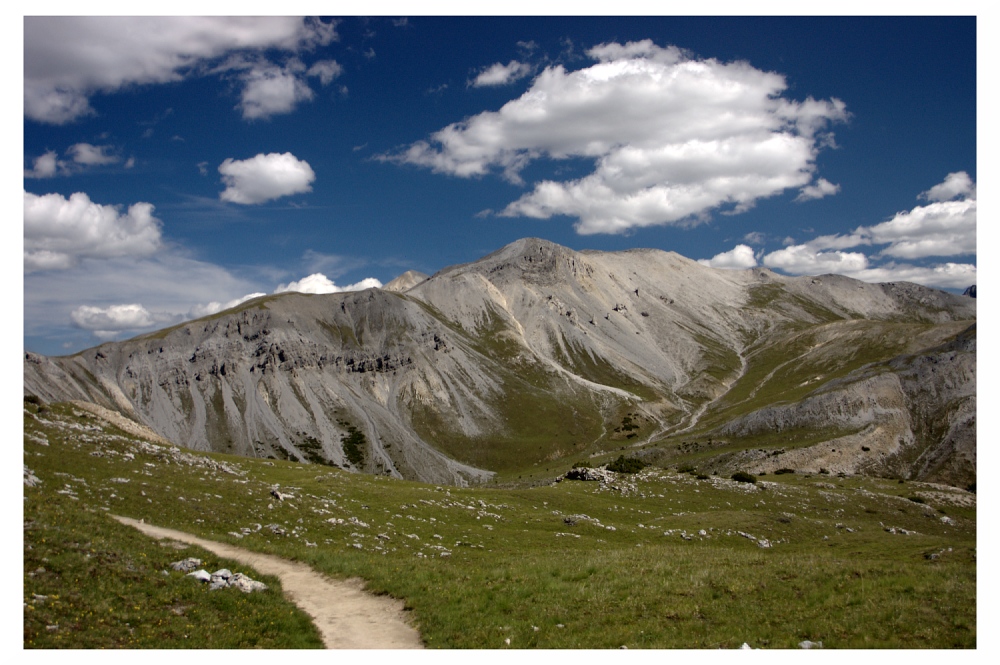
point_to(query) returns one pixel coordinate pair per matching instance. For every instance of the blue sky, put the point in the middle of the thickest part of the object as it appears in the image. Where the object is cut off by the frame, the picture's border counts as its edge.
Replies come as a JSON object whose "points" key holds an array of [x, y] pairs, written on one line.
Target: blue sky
{"points": [[175, 166]]}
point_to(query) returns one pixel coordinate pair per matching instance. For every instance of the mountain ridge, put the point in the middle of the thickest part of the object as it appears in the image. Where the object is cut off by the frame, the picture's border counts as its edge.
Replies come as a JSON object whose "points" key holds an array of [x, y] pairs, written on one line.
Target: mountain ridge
{"points": [[533, 354]]}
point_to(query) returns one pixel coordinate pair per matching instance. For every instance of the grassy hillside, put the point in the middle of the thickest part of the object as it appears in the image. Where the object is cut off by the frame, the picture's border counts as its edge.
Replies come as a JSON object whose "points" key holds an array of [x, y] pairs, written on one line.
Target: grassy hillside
{"points": [[658, 559]]}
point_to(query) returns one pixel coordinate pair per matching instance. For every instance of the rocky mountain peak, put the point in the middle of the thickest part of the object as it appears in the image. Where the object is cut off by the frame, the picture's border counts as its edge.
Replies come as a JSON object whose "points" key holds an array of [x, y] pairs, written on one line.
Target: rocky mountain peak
{"points": [[536, 352]]}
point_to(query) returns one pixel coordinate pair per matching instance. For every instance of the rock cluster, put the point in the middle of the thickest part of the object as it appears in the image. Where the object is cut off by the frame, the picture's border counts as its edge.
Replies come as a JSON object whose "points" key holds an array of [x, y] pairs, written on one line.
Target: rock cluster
{"points": [[586, 473], [220, 579], [30, 479]]}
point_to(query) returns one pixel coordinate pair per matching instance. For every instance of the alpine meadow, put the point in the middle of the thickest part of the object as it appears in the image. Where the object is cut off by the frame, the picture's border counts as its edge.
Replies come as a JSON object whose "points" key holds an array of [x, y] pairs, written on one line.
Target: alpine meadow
{"points": [[510, 332]]}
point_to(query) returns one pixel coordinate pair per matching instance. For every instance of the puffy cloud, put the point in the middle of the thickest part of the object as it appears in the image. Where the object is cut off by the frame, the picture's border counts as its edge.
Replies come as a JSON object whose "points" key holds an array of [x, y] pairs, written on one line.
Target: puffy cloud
{"points": [[823, 187], [270, 90], [58, 232], [672, 138], [169, 286], [942, 275], [954, 185], [804, 260], [69, 58], [943, 228], [738, 258], [500, 74], [83, 156], [112, 319], [91, 155], [946, 228], [319, 283], [44, 166], [326, 70], [265, 177]]}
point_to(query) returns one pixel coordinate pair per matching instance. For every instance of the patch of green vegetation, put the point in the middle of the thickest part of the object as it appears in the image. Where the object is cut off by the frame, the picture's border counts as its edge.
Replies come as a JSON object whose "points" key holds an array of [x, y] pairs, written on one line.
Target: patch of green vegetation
{"points": [[790, 367], [762, 295], [627, 465], [542, 418], [312, 450], [721, 362], [584, 363], [514, 567], [744, 477], [342, 334], [700, 447], [90, 582], [354, 444]]}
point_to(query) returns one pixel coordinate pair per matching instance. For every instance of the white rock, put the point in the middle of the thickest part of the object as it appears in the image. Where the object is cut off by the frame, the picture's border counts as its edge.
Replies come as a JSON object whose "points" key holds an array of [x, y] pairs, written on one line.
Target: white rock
{"points": [[201, 575]]}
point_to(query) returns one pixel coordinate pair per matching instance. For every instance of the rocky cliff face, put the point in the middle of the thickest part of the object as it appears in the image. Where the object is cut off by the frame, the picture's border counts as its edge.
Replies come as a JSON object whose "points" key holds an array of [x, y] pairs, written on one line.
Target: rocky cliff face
{"points": [[537, 352]]}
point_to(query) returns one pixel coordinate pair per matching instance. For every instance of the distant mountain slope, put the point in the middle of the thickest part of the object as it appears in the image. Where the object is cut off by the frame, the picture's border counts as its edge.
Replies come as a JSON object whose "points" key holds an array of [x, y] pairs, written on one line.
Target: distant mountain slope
{"points": [[533, 353]]}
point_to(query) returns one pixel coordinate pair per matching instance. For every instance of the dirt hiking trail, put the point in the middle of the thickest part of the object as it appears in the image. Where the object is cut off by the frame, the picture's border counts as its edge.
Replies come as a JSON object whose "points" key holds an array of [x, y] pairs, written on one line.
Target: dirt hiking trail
{"points": [[346, 615]]}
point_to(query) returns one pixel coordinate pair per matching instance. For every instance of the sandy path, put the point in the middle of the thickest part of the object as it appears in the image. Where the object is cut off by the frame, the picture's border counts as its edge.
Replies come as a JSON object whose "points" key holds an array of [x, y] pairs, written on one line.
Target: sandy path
{"points": [[347, 616]]}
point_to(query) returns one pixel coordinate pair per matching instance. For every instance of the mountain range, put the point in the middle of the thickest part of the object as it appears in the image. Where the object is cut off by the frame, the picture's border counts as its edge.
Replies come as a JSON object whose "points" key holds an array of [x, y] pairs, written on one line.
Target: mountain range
{"points": [[537, 356]]}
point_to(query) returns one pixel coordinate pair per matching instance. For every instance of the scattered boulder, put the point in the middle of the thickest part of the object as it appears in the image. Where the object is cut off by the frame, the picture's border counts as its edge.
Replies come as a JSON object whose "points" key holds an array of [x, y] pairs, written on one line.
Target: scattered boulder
{"points": [[186, 565], [201, 575], [224, 578], [30, 479], [584, 473]]}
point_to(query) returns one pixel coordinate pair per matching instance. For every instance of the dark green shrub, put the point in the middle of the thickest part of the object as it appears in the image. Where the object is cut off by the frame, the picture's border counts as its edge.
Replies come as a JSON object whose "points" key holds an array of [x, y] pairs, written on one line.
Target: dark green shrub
{"points": [[971, 488], [627, 465], [781, 471], [916, 499], [685, 468], [33, 399], [702, 476], [353, 443], [824, 471], [743, 477]]}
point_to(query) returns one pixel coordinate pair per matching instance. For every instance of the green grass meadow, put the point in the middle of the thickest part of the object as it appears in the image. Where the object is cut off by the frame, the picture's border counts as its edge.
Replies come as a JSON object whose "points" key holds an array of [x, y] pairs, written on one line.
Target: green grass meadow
{"points": [[658, 559]]}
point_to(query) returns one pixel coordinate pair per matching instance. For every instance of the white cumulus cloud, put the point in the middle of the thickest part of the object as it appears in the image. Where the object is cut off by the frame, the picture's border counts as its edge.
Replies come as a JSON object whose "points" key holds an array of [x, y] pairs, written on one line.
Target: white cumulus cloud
{"points": [[265, 177], [69, 58], [942, 228], [43, 166], [954, 185], [112, 319], [738, 258], [58, 232], [92, 155], [320, 283], [804, 260], [942, 275], [672, 137], [823, 187], [271, 90], [325, 70], [945, 228], [501, 74]]}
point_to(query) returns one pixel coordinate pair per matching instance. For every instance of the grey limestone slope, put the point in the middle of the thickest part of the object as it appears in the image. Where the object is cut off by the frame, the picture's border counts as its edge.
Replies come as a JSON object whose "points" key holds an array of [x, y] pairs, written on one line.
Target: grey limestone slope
{"points": [[533, 352]]}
